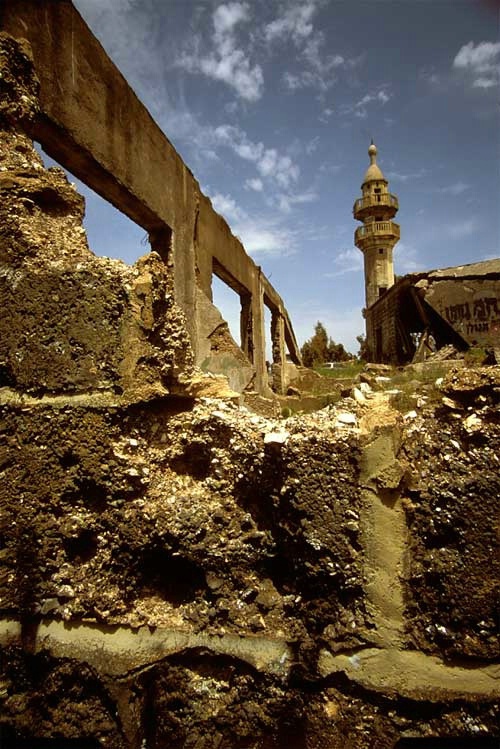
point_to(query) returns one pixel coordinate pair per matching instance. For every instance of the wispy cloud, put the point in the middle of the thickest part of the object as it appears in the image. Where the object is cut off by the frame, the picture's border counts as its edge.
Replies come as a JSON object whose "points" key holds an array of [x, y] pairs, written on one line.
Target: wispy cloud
{"points": [[379, 96], [329, 168], [296, 24], [481, 62], [457, 188], [268, 161], [255, 184], [258, 234], [326, 114], [460, 229], [227, 207], [406, 176], [312, 145], [225, 61], [266, 240], [406, 259], [347, 261], [285, 202]]}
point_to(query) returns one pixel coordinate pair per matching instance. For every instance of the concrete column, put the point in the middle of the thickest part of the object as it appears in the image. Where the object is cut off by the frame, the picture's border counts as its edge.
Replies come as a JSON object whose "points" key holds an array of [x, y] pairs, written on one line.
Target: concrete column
{"points": [[279, 350], [246, 325]]}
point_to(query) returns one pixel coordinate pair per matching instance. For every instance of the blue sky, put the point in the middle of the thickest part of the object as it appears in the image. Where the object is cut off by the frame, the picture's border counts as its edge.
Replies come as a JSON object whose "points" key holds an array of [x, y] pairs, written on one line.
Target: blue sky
{"points": [[272, 105]]}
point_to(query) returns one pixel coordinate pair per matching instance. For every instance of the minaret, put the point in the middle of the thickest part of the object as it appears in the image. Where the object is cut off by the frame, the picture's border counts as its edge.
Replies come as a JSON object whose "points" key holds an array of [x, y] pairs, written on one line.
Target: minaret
{"points": [[378, 235]]}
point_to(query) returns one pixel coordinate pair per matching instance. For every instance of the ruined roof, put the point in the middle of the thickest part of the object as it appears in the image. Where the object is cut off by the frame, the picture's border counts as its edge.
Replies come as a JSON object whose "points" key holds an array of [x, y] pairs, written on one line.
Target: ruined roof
{"points": [[483, 268]]}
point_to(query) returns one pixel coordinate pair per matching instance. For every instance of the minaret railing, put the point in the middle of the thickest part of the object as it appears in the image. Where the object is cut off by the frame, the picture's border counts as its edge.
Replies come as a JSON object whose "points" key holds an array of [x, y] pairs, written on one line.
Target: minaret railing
{"points": [[378, 228], [376, 200]]}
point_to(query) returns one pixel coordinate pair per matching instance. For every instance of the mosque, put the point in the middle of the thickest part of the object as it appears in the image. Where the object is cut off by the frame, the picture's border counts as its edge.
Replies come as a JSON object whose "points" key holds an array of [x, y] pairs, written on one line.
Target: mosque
{"points": [[436, 313]]}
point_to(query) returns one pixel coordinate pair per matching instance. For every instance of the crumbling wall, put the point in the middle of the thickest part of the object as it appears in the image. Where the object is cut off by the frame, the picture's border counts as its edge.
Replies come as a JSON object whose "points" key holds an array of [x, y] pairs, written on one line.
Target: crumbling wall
{"points": [[468, 298], [458, 306], [178, 571], [93, 124]]}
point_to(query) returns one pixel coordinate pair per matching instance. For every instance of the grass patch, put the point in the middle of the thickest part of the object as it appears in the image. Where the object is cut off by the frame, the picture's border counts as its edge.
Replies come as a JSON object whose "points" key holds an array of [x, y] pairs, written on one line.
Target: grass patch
{"points": [[342, 372]]}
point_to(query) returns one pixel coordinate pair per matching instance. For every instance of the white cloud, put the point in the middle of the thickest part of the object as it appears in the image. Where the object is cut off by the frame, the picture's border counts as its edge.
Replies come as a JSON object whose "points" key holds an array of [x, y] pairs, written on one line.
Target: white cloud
{"points": [[347, 261], [330, 168], [406, 177], [460, 229], [326, 114], [227, 16], [379, 96], [226, 61], [259, 235], [457, 188], [265, 240], [312, 145], [485, 82], [320, 72], [406, 259], [268, 161], [226, 206], [295, 23], [254, 184], [285, 202], [481, 61]]}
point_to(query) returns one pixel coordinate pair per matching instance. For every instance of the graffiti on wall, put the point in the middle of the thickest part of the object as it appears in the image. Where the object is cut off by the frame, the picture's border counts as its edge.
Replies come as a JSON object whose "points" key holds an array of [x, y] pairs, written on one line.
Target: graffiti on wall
{"points": [[478, 316]]}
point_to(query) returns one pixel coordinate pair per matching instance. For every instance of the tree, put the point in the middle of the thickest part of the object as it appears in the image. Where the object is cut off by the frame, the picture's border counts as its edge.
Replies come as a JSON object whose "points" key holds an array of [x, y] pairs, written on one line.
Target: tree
{"points": [[320, 348], [363, 354]]}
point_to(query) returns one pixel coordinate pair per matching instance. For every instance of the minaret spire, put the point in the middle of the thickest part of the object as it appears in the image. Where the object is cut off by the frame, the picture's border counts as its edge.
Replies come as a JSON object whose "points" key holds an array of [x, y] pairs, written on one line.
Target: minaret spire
{"points": [[379, 233]]}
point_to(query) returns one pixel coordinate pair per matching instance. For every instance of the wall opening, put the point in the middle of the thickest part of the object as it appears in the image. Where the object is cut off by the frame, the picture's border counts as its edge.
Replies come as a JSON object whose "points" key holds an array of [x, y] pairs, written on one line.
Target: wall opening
{"points": [[268, 317], [110, 232], [229, 303]]}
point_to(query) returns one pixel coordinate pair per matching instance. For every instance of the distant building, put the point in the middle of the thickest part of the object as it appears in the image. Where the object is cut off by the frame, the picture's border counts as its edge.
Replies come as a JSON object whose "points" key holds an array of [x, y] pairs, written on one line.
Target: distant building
{"points": [[431, 313]]}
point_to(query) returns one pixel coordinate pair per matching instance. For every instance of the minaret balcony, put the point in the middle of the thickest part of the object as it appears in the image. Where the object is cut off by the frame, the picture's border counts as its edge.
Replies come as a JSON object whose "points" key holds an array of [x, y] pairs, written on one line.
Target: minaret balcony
{"points": [[383, 200], [376, 229]]}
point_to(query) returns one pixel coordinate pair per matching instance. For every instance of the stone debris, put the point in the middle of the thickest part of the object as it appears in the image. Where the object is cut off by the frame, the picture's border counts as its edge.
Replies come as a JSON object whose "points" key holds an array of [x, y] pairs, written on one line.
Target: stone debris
{"points": [[276, 438]]}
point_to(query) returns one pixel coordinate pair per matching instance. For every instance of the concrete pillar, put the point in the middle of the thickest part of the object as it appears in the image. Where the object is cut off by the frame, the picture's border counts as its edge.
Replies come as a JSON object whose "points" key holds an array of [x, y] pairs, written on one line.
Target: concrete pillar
{"points": [[279, 350], [246, 325], [259, 337]]}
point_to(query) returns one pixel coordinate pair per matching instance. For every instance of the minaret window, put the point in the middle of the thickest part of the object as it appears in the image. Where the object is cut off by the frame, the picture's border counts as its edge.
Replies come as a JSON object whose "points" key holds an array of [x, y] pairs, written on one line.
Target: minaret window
{"points": [[381, 251]]}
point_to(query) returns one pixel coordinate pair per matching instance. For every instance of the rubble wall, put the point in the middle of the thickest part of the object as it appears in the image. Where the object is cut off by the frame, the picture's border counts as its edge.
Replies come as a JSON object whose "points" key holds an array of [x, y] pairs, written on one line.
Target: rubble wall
{"points": [[179, 571]]}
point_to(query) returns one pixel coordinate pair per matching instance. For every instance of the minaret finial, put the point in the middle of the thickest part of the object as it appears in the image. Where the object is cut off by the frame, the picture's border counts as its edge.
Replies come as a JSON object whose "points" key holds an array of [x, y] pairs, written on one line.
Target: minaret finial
{"points": [[372, 153]]}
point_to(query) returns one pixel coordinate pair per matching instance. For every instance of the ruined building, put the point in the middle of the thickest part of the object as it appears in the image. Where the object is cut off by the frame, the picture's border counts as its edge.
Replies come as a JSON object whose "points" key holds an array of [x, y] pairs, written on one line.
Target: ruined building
{"points": [[104, 135], [176, 570], [445, 310]]}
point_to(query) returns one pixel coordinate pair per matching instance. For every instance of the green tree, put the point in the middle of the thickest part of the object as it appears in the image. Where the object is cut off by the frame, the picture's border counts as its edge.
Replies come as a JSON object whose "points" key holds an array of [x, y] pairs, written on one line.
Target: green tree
{"points": [[363, 348], [320, 348]]}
